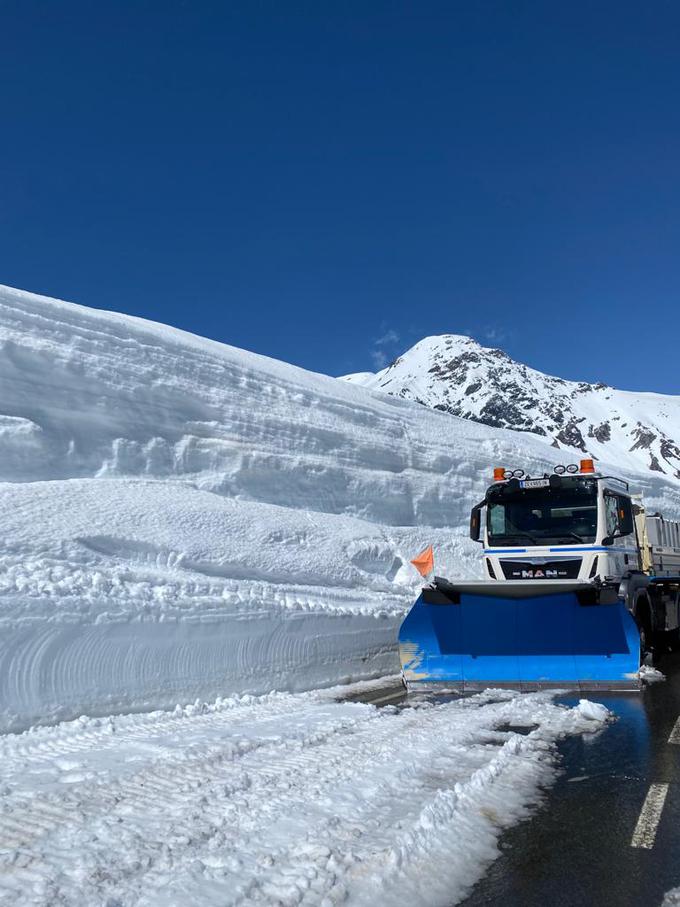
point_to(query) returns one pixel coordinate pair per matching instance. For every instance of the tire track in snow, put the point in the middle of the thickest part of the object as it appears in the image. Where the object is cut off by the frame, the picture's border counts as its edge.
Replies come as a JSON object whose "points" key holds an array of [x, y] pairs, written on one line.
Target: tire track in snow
{"points": [[160, 793], [162, 769], [41, 747], [290, 794]]}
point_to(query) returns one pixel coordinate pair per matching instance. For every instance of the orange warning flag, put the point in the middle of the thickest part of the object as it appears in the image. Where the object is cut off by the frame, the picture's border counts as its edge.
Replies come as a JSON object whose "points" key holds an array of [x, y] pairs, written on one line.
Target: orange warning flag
{"points": [[424, 563]]}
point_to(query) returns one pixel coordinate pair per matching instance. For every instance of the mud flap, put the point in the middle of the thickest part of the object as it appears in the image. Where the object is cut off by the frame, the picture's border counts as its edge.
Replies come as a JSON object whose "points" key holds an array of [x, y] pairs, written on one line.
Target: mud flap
{"points": [[482, 639]]}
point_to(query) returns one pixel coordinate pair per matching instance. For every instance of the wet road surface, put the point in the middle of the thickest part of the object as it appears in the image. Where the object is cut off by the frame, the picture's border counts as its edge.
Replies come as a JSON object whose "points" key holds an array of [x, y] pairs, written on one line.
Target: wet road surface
{"points": [[577, 849], [608, 830]]}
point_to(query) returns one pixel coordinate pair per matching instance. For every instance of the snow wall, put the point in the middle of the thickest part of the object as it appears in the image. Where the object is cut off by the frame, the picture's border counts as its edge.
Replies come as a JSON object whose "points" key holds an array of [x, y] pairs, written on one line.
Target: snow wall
{"points": [[182, 519]]}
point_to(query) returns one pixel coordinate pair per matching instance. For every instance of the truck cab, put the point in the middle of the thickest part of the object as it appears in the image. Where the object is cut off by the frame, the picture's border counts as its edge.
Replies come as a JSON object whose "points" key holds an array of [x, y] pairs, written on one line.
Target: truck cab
{"points": [[574, 524]]}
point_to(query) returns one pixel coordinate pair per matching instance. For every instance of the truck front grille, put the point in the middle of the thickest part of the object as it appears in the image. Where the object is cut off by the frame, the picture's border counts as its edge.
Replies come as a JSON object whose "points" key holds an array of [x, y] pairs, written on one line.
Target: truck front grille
{"points": [[562, 569]]}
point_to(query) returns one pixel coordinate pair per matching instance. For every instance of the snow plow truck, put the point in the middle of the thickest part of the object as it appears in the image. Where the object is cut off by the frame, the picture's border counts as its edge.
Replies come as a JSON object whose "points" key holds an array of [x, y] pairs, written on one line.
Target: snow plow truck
{"points": [[582, 583]]}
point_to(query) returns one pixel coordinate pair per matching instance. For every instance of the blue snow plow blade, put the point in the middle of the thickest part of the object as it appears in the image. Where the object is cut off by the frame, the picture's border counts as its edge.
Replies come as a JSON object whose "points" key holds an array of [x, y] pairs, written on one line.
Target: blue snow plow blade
{"points": [[521, 635]]}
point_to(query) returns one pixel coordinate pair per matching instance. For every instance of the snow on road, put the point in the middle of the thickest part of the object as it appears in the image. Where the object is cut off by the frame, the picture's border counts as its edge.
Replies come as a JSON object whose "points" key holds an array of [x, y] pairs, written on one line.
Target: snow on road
{"points": [[284, 799]]}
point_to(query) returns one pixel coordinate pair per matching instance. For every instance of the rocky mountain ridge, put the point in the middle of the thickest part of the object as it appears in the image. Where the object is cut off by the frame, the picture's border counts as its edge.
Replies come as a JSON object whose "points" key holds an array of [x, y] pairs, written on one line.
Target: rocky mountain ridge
{"points": [[457, 375]]}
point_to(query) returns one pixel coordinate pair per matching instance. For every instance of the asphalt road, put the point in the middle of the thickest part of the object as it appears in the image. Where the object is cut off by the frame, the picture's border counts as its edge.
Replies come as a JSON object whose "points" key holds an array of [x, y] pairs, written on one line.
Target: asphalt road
{"points": [[578, 848]]}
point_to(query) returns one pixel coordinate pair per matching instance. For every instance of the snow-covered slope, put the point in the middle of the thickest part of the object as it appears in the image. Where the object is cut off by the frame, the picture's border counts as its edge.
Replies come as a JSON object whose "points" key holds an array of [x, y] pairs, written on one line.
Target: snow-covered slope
{"points": [[184, 519], [640, 431]]}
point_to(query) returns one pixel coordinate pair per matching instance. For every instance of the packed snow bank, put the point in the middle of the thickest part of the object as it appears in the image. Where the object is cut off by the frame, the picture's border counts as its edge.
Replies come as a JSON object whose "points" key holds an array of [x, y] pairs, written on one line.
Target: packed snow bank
{"points": [[182, 518], [285, 799], [89, 393], [134, 594]]}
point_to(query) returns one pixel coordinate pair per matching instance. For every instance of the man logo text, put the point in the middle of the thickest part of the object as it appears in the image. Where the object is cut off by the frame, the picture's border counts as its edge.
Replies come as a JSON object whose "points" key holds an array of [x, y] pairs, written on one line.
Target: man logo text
{"points": [[539, 574]]}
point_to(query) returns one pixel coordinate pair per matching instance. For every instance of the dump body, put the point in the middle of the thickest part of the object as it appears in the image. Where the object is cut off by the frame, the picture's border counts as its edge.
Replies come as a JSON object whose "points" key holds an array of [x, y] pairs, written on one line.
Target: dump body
{"points": [[660, 544], [531, 635]]}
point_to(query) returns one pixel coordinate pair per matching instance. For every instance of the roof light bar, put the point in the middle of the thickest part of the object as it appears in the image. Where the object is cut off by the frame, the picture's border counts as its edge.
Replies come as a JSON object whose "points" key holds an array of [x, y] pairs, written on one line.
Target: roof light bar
{"points": [[501, 474]]}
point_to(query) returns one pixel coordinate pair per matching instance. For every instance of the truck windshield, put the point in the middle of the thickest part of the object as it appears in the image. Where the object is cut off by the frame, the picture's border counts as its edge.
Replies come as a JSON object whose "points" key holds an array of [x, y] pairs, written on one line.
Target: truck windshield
{"points": [[539, 516]]}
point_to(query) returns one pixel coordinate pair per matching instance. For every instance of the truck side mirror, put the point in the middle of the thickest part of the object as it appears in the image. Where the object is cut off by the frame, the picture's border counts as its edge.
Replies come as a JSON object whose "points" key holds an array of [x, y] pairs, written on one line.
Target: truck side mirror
{"points": [[476, 522]]}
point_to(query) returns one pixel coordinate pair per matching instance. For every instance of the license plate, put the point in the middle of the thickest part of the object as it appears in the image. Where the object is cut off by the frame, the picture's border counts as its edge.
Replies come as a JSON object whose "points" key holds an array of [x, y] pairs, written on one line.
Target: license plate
{"points": [[534, 483]]}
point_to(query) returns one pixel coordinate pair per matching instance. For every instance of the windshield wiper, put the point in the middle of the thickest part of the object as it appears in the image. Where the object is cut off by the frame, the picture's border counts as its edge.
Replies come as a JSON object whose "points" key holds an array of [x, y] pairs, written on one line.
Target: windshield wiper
{"points": [[572, 535]]}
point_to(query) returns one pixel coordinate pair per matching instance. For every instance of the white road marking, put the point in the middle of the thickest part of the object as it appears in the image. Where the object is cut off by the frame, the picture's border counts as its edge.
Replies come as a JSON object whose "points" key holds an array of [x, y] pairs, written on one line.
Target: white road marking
{"points": [[675, 733], [650, 815]]}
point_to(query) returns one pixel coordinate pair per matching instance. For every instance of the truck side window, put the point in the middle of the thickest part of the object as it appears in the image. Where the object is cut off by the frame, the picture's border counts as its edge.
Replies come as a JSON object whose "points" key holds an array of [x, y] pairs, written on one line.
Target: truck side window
{"points": [[497, 519], [618, 512], [611, 509]]}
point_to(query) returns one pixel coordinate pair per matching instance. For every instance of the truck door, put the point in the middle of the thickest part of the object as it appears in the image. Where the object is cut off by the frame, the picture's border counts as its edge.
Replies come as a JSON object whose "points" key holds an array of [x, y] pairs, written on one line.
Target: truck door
{"points": [[619, 525]]}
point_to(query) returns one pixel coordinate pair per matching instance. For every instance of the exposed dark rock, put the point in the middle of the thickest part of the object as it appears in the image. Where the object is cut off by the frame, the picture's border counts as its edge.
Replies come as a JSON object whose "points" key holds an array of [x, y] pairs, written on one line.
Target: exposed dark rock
{"points": [[571, 435], [669, 448], [654, 464], [601, 432], [644, 437], [500, 412], [670, 451]]}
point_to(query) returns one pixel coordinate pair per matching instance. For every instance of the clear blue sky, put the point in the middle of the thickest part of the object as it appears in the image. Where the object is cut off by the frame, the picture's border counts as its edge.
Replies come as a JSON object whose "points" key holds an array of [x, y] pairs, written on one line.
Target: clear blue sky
{"points": [[326, 183]]}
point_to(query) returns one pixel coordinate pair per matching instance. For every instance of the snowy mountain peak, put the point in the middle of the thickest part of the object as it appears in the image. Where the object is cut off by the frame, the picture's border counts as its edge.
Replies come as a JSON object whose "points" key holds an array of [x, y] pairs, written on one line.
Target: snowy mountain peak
{"points": [[458, 375]]}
